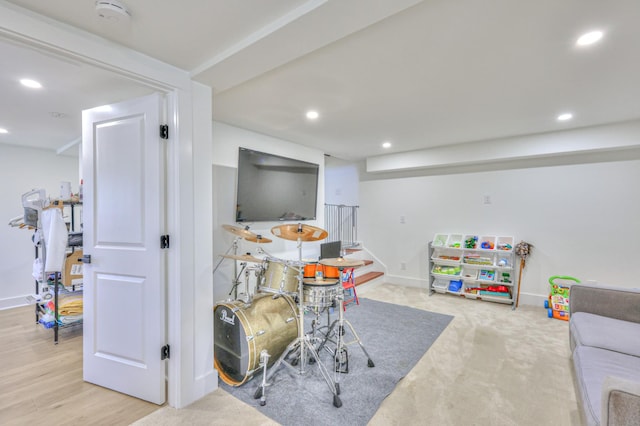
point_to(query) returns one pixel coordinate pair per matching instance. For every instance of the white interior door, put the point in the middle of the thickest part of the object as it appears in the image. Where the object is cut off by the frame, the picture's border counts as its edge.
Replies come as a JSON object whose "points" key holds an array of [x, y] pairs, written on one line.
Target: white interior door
{"points": [[123, 220]]}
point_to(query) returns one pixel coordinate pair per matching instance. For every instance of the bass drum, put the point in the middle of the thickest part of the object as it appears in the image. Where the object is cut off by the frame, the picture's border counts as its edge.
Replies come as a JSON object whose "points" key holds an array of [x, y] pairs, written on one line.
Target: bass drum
{"points": [[242, 331]]}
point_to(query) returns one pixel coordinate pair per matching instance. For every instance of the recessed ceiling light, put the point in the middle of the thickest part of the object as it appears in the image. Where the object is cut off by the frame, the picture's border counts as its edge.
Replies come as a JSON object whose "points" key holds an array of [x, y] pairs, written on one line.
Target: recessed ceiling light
{"points": [[386, 145], [30, 83], [3, 130], [589, 38], [312, 115], [564, 117]]}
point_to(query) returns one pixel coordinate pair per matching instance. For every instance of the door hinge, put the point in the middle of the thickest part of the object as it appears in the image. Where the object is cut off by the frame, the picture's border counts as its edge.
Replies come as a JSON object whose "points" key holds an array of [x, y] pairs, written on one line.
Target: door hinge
{"points": [[164, 241], [164, 131], [165, 352]]}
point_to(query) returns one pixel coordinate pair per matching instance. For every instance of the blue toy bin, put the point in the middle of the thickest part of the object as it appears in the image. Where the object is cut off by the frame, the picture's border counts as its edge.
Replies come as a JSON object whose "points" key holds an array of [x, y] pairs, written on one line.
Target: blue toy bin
{"points": [[455, 285]]}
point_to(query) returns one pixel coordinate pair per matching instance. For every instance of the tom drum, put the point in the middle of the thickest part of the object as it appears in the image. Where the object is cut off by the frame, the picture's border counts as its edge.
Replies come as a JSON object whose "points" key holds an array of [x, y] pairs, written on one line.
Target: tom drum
{"points": [[278, 277]]}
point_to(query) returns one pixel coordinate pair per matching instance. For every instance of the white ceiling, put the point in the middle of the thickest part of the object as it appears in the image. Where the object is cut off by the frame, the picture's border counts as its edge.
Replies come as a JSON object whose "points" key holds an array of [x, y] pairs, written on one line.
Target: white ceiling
{"points": [[417, 73]]}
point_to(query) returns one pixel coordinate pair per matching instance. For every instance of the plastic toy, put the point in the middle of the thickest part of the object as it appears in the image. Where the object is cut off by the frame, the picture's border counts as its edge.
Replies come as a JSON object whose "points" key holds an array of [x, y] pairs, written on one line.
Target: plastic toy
{"points": [[558, 303], [471, 242], [488, 245]]}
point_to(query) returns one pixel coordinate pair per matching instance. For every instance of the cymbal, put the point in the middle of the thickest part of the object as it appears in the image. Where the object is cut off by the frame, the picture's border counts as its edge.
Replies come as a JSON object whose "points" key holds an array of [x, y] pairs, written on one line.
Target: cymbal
{"points": [[243, 257], [246, 234], [294, 232], [325, 281], [341, 262], [258, 239]]}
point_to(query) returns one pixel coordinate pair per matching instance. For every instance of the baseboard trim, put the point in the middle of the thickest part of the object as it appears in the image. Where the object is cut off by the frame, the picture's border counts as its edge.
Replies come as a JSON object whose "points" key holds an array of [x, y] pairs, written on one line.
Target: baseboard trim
{"points": [[528, 299], [13, 302], [408, 282], [532, 299]]}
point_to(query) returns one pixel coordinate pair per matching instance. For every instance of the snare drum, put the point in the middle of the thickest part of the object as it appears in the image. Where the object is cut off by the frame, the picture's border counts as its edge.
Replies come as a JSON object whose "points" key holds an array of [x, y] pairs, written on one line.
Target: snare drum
{"points": [[320, 293], [279, 277]]}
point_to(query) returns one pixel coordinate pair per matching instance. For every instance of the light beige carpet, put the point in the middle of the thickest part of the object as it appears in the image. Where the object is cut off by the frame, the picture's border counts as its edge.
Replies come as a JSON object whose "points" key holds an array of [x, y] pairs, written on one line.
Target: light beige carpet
{"points": [[491, 366]]}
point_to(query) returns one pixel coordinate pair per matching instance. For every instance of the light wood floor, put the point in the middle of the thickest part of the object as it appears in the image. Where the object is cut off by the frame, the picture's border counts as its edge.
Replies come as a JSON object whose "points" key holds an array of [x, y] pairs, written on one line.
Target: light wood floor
{"points": [[41, 383]]}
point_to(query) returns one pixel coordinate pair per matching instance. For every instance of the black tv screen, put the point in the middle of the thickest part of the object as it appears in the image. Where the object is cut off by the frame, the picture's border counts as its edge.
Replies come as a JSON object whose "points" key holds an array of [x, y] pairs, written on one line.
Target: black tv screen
{"points": [[274, 188]]}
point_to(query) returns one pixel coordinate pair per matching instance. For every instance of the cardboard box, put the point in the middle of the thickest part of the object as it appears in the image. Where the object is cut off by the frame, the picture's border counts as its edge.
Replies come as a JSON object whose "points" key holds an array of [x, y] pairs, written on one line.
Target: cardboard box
{"points": [[73, 270]]}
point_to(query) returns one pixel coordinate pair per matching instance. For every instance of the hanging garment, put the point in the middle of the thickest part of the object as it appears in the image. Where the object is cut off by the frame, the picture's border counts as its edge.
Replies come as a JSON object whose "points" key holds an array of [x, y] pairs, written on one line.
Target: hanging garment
{"points": [[55, 234]]}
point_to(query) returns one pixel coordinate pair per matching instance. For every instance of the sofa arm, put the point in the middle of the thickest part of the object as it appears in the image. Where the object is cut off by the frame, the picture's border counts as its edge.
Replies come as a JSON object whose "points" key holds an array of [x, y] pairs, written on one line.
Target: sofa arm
{"points": [[612, 302], [620, 402]]}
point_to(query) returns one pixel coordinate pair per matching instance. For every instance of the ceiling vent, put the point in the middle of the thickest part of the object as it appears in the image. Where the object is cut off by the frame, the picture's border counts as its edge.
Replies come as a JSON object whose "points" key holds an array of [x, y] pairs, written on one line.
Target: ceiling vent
{"points": [[112, 10]]}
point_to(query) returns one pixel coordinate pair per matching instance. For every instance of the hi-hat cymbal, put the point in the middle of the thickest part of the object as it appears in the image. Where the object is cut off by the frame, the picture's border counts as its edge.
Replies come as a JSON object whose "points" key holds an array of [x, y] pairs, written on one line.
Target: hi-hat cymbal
{"points": [[243, 257], [246, 234], [294, 232], [341, 262], [324, 281]]}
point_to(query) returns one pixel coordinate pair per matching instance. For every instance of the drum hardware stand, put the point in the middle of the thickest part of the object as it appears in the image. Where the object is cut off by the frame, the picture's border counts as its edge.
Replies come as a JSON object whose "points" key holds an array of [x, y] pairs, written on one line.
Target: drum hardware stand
{"points": [[248, 295], [240, 233], [319, 329], [264, 360], [236, 281], [300, 346], [340, 332], [342, 361], [260, 250]]}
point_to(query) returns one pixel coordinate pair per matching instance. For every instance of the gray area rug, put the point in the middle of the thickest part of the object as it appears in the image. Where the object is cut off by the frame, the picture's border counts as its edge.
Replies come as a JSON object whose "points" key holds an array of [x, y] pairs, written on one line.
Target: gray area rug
{"points": [[395, 337]]}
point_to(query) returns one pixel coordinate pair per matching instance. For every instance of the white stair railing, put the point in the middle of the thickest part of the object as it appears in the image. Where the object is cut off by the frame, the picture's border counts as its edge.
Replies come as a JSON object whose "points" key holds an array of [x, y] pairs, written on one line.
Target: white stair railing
{"points": [[341, 223]]}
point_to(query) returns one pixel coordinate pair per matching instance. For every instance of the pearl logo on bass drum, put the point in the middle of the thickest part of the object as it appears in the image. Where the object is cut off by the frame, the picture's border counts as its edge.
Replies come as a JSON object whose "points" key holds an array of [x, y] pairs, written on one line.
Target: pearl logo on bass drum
{"points": [[229, 320]]}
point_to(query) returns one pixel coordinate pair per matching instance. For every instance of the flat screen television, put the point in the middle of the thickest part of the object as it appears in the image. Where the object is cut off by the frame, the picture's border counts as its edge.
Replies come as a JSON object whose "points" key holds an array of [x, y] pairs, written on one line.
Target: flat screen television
{"points": [[274, 188]]}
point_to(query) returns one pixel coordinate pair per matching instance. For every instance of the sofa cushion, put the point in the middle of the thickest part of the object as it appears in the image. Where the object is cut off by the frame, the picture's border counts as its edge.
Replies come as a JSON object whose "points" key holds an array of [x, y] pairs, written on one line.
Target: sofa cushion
{"points": [[592, 366], [605, 333]]}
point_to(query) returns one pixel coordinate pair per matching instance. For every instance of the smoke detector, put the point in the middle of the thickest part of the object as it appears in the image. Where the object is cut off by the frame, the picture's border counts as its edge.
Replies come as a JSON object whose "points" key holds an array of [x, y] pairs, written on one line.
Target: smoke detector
{"points": [[112, 10]]}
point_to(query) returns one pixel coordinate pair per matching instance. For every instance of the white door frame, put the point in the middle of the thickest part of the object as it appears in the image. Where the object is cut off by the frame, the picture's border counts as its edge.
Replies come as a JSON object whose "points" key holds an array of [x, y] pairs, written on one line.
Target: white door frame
{"points": [[189, 188]]}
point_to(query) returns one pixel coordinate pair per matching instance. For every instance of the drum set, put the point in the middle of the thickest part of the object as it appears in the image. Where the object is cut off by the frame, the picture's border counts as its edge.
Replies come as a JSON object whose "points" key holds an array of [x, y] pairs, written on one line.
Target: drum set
{"points": [[263, 329]]}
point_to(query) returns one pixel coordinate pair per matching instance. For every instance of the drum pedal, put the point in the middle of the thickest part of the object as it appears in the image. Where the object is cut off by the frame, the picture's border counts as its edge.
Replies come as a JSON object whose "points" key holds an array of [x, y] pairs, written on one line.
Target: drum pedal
{"points": [[342, 361]]}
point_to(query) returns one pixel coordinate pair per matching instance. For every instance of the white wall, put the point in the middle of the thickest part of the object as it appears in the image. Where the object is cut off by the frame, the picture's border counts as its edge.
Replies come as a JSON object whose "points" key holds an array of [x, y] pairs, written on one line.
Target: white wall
{"points": [[226, 141], [583, 220], [21, 170], [341, 182]]}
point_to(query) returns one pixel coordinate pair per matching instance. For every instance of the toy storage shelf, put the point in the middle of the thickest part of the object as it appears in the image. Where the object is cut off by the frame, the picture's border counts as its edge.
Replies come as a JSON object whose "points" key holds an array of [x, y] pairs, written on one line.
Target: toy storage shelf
{"points": [[484, 264]]}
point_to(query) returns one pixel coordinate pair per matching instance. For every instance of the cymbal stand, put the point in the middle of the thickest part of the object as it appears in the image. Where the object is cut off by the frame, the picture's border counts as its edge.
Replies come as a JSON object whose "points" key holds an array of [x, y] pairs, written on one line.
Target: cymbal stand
{"points": [[236, 281], [341, 345], [300, 346], [260, 250]]}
